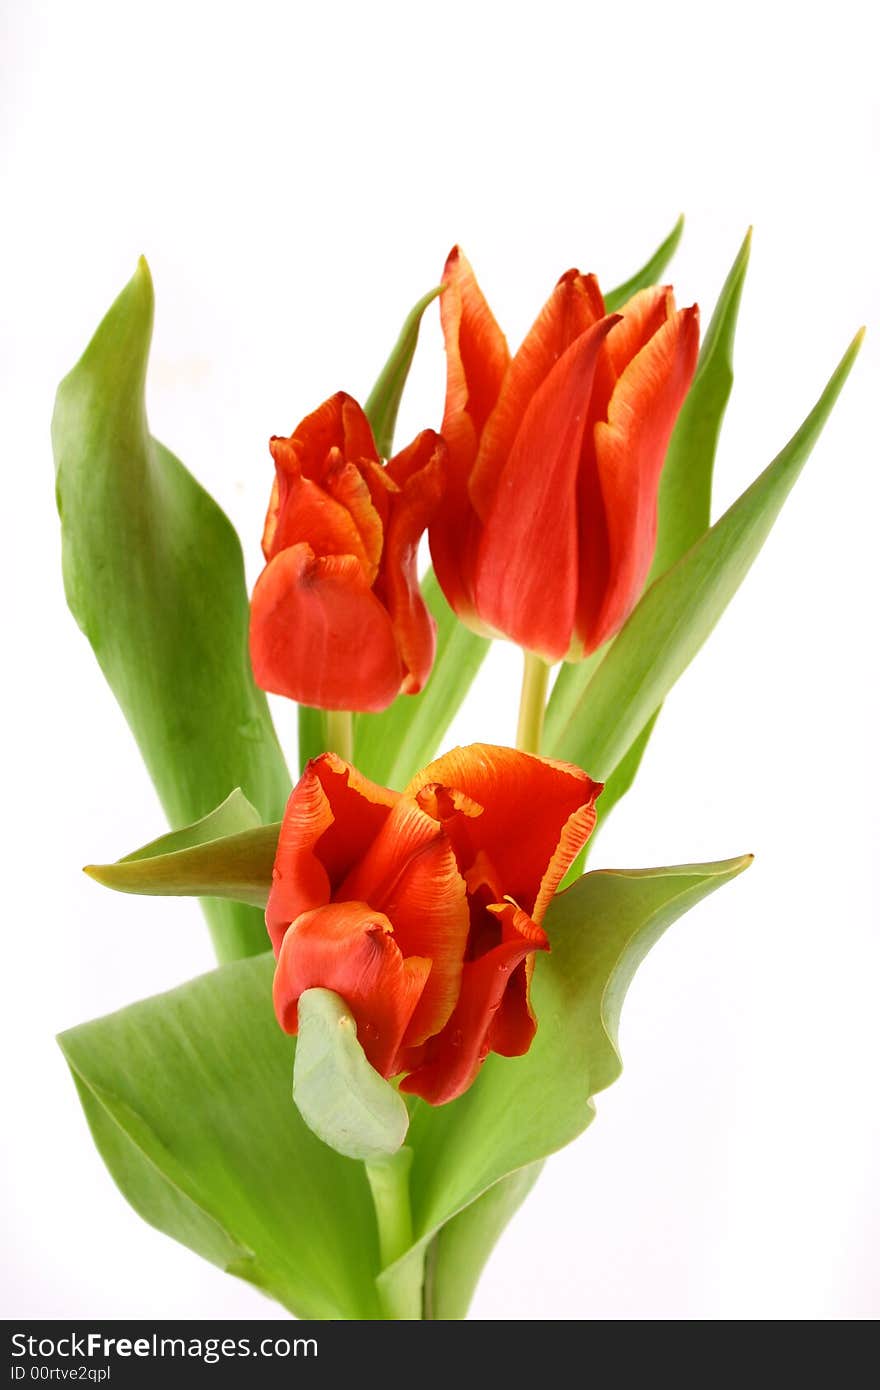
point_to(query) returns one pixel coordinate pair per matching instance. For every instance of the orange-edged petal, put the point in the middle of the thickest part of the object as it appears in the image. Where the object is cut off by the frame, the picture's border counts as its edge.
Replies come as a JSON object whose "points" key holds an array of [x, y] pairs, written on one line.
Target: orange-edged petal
{"points": [[630, 448], [319, 635], [332, 817], [410, 873], [455, 1057], [528, 805], [526, 582], [350, 948], [477, 355], [346, 485], [299, 879], [477, 358], [303, 511], [338, 423], [575, 305], [419, 475]]}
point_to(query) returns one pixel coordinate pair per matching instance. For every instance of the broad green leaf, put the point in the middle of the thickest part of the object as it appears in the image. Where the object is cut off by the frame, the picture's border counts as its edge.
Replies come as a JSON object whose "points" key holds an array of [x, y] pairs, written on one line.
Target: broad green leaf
{"points": [[650, 272], [392, 746], [459, 1251], [383, 402], [312, 734], [684, 503], [342, 1099], [154, 576], [188, 1099], [522, 1109], [236, 867], [231, 817], [675, 616]]}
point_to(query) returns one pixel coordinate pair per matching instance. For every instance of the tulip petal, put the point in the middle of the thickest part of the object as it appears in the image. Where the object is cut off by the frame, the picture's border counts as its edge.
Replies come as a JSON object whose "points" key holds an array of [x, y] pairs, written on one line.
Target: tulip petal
{"points": [[526, 582], [477, 358], [299, 880], [456, 1055], [630, 448], [339, 422], [419, 473], [528, 804], [346, 484], [349, 948], [319, 634], [332, 807], [410, 873], [304, 511], [574, 306]]}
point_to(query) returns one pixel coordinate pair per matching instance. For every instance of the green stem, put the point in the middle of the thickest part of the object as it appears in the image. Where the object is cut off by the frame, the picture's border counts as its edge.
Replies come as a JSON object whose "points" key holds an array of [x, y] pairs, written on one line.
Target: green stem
{"points": [[339, 729], [400, 1292], [533, 699]]}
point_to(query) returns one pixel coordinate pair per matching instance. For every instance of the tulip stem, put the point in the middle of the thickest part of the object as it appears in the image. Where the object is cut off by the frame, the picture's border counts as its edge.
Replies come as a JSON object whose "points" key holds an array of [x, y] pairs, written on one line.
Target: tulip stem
{"points": [[533, 699], [339, 733], [400, 1292]]}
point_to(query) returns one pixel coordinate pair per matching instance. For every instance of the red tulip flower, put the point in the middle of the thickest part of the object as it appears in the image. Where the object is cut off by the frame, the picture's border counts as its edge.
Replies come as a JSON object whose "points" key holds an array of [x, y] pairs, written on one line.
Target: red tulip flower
{"points": [[548, 527], [337, 619], [423, 909]]}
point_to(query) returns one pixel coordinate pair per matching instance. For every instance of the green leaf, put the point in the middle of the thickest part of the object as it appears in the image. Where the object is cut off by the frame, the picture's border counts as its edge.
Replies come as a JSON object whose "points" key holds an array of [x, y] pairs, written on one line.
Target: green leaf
{"points": [[390, 747], [188, 1099], [684, 504], [685, 499], [226, 854], [675, 616], [229, 818], [458, 1253], [154, 576], [519, 1110], [650, 272], [339, 1094], [383, 402], [312, 734]]}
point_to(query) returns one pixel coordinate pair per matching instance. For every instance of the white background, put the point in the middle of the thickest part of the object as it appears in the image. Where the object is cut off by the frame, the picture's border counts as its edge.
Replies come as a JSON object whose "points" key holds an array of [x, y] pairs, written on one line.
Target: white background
{"points": [[295, 175]]}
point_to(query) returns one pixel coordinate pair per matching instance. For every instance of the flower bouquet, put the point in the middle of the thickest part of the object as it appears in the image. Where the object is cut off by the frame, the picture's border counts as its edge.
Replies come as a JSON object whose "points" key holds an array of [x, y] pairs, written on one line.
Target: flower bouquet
{"points": [[418, 986]]}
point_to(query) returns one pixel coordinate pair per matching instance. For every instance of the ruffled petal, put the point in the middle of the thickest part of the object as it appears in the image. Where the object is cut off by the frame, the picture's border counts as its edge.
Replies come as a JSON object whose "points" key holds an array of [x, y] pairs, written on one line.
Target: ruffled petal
{"points": [[347, 486], [360, 809], [410, 873], [332, 817], [319, 635], [350, 948], [630, 448], [303, 511], [456, 1055], [477, 358], [338, 423], [419, 475], [527, 804], [526, 580], [575, 305]]}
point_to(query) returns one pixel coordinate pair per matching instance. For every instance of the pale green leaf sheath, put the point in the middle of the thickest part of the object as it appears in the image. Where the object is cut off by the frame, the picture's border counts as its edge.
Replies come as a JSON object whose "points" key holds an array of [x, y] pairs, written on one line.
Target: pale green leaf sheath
{"points": [[154, 576], [339, 1095]]}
